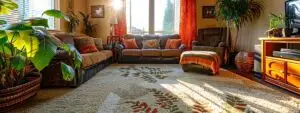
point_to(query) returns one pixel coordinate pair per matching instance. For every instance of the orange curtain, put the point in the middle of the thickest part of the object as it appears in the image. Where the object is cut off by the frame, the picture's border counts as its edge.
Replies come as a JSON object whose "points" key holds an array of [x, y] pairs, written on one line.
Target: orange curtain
{"points": [[188, 27], [120, 28]]}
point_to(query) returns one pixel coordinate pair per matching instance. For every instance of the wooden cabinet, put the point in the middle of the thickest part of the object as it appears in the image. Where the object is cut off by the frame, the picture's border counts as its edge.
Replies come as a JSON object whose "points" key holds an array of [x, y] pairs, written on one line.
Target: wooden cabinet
{"points": [[280, 71]]}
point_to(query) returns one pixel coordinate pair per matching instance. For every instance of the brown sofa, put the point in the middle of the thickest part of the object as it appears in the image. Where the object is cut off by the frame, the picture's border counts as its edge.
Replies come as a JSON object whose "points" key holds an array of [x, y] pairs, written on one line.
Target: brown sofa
{"points": [[211, 39], [140, 55], [92, 63]]}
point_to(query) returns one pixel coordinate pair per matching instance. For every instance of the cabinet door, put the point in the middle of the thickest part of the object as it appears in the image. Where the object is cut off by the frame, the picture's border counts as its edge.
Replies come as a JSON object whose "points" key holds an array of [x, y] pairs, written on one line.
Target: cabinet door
{"points": [[293, 70], [275, 69]]}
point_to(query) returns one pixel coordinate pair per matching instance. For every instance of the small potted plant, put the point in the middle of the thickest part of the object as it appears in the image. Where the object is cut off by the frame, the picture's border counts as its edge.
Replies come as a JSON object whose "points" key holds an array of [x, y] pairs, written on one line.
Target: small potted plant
{"points": [[26, 48], [276, 26], [89, 28]]}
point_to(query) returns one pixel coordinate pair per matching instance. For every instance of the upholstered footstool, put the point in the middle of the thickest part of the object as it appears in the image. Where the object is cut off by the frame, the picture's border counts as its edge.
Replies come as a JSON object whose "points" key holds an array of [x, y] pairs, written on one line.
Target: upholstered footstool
{"points": [[203, 61]]}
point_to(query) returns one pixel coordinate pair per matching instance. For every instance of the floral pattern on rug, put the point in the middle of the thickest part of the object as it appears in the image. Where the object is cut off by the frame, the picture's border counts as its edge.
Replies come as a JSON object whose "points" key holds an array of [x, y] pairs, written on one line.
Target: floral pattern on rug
{"points": [[177, 91], [149, 74]]}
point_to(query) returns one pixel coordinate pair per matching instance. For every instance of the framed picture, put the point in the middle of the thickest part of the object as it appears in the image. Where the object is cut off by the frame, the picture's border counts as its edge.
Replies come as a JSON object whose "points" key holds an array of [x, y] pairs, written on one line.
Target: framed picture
{"points": [[208, 12], [97, 11]]}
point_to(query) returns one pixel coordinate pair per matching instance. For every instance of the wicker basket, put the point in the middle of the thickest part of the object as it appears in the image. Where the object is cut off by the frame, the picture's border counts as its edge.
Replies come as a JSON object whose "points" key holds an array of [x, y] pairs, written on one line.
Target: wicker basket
{"points": [[11, 97]]}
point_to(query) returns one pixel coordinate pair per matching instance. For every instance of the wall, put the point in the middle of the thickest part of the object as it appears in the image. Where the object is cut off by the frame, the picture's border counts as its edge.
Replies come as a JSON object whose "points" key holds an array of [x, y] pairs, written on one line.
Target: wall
{"points": [[201, 22], [250, 34], [78, 6], [102, 28]]}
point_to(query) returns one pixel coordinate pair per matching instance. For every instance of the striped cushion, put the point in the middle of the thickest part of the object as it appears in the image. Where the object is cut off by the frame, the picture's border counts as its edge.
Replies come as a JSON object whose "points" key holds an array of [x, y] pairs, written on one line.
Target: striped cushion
{"points": [[173, 43]]}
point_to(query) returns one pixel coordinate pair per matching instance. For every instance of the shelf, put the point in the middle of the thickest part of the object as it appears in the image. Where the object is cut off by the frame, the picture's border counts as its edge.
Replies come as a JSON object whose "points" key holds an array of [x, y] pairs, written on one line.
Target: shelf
{"points": [[283, 59]]}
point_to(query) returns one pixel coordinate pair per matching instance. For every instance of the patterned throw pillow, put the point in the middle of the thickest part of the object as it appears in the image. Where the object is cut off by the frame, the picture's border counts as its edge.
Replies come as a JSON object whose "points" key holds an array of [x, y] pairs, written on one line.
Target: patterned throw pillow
{"points": [[151, 44], [98, 43], [130, 43], [173, 43], [86, 45]]}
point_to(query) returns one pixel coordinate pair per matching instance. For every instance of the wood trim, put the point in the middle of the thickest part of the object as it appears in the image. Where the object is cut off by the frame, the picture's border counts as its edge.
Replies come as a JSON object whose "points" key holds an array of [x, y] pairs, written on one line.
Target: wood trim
{"points": [[274, 44]]}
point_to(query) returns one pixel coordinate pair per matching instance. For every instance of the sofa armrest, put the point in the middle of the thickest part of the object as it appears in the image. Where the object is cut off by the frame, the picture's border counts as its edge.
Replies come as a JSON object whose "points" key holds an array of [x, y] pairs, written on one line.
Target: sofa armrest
{"points": [[182, 47], [222, 44]]}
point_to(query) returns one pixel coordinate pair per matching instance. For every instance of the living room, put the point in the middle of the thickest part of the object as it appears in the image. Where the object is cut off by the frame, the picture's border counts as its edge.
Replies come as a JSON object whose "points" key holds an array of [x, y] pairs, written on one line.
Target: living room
{"points": [[149, 56]]}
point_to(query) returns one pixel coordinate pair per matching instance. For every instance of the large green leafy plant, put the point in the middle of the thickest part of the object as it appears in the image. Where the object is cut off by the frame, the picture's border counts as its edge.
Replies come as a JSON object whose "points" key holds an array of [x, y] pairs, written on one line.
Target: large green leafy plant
{"points": [[28, 43], [236, 13]]}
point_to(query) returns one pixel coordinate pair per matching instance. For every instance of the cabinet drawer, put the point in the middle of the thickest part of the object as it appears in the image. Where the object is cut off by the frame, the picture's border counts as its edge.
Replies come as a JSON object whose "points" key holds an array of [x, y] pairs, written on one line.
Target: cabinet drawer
{"points": [[276, 75], [275, 65], [293, 80], [293, 68]]}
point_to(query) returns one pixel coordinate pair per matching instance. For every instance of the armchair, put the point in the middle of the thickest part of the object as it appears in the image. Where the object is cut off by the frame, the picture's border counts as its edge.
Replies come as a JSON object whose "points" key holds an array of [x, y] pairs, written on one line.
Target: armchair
{"points": [[211, 39]]}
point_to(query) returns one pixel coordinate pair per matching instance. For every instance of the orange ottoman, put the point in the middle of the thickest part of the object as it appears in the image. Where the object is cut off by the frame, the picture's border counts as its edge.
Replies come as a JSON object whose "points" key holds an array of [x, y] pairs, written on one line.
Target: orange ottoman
{"points": [[205, 61]]}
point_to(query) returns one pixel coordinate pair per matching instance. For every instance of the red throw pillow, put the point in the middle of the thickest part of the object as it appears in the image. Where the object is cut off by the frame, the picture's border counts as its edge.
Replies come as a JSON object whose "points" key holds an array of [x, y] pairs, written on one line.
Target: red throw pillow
{"points": [[130, 43], [86, 45], [173, 43], [88, 49]]}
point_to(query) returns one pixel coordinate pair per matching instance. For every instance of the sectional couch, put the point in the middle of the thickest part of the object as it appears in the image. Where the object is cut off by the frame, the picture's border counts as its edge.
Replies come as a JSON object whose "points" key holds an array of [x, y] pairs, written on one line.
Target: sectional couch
{"points": [[141, 55], [92, 63]]}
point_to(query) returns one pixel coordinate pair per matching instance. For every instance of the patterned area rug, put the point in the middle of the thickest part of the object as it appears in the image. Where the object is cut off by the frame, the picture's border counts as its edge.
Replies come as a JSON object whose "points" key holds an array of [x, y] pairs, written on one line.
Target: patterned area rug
{"points": [[162, 89]]}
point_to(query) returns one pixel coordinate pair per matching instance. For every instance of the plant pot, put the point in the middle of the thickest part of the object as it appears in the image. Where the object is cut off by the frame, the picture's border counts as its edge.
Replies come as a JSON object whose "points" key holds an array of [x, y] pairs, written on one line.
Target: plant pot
{"points": [[11, 97], [244, 61]]}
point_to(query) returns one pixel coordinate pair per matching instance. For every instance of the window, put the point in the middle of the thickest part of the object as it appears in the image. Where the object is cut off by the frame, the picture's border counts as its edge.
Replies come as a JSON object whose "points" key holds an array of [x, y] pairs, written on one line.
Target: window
{"points": [[30, 8], [152, 16]]}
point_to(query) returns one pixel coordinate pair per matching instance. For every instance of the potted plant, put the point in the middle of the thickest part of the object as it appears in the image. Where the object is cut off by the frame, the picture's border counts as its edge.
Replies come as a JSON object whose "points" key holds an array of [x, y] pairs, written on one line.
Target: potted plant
{"points": [[73, 22], [88, 26], [276, 26], [26, 48], [235, 14]]}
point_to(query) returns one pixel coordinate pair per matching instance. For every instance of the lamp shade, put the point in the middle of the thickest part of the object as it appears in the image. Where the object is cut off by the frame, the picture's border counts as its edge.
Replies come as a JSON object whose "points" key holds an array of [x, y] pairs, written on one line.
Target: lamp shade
{"points": [[113, 20]]}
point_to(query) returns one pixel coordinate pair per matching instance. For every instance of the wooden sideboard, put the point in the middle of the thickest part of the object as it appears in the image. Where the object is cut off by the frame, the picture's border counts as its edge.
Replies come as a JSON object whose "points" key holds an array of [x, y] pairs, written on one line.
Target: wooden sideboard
{"points": [[282, 72]]}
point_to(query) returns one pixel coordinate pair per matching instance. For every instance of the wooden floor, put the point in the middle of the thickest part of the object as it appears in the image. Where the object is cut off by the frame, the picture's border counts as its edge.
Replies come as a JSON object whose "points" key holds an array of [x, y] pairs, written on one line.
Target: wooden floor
{"points": [[252, 77]]}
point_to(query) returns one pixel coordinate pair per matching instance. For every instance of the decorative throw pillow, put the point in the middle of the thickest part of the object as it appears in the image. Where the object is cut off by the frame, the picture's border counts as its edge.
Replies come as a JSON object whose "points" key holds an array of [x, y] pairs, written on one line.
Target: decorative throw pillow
{"points": [[86, 45], [173, 43], [151, 44], [98, 43], [130, 43]]}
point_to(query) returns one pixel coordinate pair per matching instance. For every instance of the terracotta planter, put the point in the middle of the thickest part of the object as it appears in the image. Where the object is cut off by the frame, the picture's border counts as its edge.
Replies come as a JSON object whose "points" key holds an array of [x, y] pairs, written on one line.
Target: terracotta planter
{"points": [[244, 61], [11, 97]]}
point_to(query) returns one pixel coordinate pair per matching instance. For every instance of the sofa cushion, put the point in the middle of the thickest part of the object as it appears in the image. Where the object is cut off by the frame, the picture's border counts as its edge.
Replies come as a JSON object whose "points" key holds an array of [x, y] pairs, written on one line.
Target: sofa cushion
{"points": [[164, 39], [98, 43], [132, 52], [138, 39], [173, 44], [151, 52], [129, 43], [151, 44], [170, 53], [108, 53], [90, 59], [86, 45]]}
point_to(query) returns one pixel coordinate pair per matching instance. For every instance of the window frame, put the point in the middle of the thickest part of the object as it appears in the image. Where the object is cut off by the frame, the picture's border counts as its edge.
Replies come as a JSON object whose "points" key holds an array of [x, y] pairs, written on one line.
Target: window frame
{"points": [[151, 20]]}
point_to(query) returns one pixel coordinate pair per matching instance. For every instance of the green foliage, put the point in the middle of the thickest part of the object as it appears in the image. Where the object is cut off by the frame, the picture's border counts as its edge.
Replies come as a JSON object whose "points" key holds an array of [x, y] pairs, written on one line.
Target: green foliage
{"points": [[236, 13], [18, 62], [73, 21], [2, 22], [56, 14], [6, 6], [276, 21], [29, 43], [68, 72], [168, 22], [88, 26]]}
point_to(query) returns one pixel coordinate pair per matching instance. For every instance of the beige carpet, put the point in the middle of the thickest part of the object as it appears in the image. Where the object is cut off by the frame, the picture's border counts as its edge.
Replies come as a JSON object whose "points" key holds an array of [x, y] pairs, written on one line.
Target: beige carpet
{"points": [[162, 89]]}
